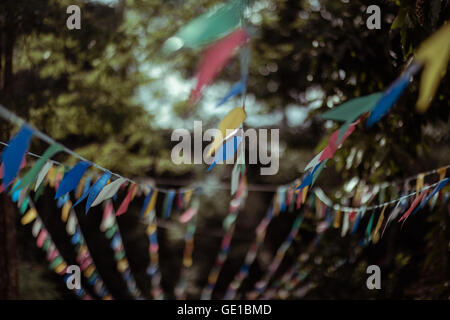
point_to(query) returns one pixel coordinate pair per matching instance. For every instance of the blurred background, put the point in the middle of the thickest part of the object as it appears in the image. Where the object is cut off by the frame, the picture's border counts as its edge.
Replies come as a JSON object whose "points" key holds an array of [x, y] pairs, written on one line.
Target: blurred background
{"points": [[106, 92]]}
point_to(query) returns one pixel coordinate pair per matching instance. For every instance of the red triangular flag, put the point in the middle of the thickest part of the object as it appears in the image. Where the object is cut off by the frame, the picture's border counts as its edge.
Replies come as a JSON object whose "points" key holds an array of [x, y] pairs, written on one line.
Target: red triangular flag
{"points": [[125, 203], [215, 58]]}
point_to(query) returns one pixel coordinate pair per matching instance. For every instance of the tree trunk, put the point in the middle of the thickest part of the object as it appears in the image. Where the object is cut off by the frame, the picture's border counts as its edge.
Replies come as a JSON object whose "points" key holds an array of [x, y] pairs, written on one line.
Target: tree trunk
{"points": [[9, 280], [9, 39], [9, 277]]}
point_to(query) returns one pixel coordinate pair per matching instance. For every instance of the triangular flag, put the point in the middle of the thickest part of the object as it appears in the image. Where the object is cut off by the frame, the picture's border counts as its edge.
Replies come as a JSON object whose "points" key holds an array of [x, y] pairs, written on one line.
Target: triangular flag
{"points": [[235, 174], [186, 216], [13, 154], [376, 232], [351, 110], [146, 202], [231, 122], [96, 188], [206, 28], [226, 151], [215, 59], [108, 218], [345, 224], [29, 216], [151, 204], [125, 203], [236, 89], [413, 205], [72, 178], [314, 162], [168, 201], [434, 53], [307, 181], [109, 191], [42, 174], [392, 94], [30, 176], [435, 190], [333, 143]]}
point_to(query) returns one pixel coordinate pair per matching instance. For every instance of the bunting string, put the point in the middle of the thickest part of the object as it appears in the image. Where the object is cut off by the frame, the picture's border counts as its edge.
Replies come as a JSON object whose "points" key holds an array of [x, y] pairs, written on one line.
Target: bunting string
{"points": [[229, 226], [190, 218], [251, 255], [111, 229], [56, 261]]}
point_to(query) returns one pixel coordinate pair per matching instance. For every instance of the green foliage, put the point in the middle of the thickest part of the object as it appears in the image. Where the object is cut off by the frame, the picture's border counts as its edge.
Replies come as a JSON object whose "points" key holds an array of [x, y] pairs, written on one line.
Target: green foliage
{"points": [[83, 88]]}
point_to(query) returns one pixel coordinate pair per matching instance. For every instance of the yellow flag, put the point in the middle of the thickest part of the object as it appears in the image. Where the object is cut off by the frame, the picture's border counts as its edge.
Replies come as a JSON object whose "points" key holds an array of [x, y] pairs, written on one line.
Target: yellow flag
{"points": [[60, 267], [187, 196], [419, 182], [29, 216], [122, 265], [65, 211], [231, 121], [337, 219], [151, 205], [376, 232], [442, 172], [89, 271], [305, 192], [79, 188], [434, 53]]}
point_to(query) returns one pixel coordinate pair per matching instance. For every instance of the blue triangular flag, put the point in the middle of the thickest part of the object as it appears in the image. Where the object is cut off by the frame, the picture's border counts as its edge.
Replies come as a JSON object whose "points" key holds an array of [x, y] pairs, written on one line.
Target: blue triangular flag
{"points": [[309, 178], [72, 178], [168, 203], [391, 95], [358, 219], [13, 154], [62, 200], [87, 184], [435, 190], [146, 202], [96, 188], [236, 89], [226, 151]]}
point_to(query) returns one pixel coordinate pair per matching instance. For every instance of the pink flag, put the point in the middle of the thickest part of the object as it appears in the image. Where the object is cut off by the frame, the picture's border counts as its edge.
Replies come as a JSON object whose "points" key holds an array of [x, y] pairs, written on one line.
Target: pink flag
{"points": [[332, 146], [124, 205], [413, 205], [215, 58], [41, 238], [187, 215]]}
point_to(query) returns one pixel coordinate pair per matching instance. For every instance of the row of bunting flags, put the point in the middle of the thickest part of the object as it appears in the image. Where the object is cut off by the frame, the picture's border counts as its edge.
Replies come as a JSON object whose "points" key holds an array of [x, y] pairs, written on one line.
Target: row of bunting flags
{"points": [[222, 31], [287, 198]]}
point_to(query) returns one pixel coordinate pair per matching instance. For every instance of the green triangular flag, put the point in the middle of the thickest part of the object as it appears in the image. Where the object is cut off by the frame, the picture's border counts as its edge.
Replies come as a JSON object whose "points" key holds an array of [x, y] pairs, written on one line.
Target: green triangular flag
{"points": [[206, 28], [31, 175], [351, 110], [369, 226], [317, 172]]}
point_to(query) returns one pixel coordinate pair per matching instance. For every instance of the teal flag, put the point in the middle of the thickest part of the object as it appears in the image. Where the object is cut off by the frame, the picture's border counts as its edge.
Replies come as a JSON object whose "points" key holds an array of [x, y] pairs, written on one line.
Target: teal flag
{"points": [[351, 110], [206, 28]]}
